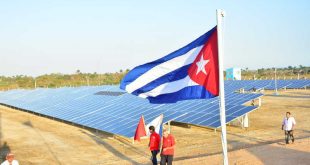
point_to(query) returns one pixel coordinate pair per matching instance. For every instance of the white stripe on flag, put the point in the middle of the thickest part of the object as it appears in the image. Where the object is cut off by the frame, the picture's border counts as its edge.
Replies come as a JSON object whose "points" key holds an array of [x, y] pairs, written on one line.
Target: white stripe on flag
{"points": [[163, 69], [169, 87], [156, 123]]}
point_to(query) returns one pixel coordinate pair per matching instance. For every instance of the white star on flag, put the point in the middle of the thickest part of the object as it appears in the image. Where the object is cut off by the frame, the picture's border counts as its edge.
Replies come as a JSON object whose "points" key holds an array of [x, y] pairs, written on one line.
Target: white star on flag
{"points": [[201, 65]]}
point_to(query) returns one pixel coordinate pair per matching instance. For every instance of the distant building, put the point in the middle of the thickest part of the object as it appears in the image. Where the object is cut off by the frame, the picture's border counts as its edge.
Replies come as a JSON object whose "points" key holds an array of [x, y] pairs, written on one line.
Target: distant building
{"points": [[233, 74]]}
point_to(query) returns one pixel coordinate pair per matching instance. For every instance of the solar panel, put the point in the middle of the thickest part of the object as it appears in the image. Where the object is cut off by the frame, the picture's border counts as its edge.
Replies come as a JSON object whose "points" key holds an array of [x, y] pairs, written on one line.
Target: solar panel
{"points": [[109, 109], [248, 85]]}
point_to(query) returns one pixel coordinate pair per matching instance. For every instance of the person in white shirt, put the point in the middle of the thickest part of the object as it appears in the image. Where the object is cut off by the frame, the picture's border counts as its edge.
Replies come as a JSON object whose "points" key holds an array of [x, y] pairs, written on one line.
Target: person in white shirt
{"points": [[288, 127], [10, 160]]}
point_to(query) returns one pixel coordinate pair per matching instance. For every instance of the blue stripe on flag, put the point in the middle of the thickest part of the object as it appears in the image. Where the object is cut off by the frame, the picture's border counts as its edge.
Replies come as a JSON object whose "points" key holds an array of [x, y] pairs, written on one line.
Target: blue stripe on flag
{"points": [[172, 76], [161, 129], [191, 92]]}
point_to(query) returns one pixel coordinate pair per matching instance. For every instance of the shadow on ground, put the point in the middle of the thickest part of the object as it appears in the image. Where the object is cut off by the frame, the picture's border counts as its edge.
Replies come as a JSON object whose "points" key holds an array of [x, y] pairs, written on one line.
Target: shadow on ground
{"points": [[28, 123], [110, 148], [4, 150]]}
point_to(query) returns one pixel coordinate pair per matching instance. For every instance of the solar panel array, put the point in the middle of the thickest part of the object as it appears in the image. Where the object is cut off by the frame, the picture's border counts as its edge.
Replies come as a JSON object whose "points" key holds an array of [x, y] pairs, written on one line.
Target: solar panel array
{"points": [[233, 85], [109, 109]]}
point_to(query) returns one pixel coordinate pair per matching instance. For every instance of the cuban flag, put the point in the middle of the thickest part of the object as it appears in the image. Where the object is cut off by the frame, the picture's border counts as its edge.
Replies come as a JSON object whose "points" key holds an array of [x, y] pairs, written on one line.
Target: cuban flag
{"points": [[191, 72]]}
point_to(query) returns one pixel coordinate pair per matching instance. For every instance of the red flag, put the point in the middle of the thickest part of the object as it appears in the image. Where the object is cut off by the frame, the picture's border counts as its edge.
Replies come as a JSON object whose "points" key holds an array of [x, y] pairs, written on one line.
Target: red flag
{"points": [[140, 131]]}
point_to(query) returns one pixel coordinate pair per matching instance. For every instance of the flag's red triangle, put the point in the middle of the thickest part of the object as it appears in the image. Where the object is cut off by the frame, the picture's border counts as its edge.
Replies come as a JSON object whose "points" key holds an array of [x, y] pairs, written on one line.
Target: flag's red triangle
{"points": [[140, 131]]}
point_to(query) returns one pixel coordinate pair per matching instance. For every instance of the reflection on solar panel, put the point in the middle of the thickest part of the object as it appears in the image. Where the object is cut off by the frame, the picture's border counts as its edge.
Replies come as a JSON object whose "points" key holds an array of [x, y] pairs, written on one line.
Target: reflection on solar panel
{"points": [[109, 93], [109, 109]]}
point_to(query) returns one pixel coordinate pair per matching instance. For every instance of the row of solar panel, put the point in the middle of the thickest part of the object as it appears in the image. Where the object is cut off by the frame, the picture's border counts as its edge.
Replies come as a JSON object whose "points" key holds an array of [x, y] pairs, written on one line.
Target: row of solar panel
{"points": [[233, 85], [60, 95], [120, 114]]}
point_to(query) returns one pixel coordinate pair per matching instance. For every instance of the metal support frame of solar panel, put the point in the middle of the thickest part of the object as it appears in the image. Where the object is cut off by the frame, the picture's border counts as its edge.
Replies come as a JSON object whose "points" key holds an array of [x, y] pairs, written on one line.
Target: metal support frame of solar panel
{"points": [[70, 104]]}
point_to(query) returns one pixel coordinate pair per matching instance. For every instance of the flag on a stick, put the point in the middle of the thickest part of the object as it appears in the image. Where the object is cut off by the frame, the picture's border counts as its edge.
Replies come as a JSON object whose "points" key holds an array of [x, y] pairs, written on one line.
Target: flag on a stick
{"points": [[157, 123], [140, 131]]}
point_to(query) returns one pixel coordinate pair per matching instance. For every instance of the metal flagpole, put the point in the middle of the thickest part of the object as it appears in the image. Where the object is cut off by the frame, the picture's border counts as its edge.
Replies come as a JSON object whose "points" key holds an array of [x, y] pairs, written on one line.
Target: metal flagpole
{"points": [[220, 15]]}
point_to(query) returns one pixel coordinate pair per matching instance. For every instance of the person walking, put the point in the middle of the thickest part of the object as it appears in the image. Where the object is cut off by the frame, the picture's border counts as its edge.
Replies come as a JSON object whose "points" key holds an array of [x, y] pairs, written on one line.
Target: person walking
{"points": [[168, 146], [288, 125], [154, 144]]}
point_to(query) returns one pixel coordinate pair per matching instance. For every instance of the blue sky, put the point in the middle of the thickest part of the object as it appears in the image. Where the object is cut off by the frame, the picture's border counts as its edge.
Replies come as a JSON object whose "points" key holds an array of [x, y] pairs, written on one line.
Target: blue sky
{"points": [[61, 36]]}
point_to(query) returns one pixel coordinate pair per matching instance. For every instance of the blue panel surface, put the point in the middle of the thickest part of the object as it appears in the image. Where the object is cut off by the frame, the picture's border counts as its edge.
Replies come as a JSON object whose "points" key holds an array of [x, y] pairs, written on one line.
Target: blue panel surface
{"points": [[120, 114]]}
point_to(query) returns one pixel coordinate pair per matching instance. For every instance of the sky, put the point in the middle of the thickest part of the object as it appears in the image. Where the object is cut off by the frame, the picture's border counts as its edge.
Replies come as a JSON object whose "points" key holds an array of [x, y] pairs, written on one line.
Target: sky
{"points": [[61, 36]]}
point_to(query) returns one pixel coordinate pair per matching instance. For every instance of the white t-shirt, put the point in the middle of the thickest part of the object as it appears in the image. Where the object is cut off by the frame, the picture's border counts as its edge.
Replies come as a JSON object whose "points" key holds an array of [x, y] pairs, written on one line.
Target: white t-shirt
{"points": [[288, 123], [14, 162]]}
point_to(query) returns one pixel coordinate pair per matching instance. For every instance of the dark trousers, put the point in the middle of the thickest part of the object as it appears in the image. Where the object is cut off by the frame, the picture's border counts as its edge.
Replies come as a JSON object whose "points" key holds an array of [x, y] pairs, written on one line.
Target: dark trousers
{"points": [[166, 159], [289, 135], [154, 154]]}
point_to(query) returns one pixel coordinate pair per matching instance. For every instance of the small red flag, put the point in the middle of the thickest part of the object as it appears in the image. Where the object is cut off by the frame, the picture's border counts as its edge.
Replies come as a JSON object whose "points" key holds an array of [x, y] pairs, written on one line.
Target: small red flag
{"points": [[140, 131]]}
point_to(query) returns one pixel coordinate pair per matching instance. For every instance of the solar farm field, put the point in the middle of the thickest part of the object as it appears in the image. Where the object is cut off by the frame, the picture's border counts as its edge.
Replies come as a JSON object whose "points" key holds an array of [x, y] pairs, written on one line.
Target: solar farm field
{"points": [[109, 109], [41, 140]]}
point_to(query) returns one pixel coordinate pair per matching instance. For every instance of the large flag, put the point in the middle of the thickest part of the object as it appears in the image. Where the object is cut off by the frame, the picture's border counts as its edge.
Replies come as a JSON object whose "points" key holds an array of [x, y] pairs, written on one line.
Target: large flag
{"points": [[191, 72], [157, 123], [140, 131]]}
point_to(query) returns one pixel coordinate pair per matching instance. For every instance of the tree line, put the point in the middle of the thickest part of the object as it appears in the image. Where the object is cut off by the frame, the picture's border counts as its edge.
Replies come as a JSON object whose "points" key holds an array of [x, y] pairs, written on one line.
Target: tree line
{"points": [[56, 80], [290, 72]]}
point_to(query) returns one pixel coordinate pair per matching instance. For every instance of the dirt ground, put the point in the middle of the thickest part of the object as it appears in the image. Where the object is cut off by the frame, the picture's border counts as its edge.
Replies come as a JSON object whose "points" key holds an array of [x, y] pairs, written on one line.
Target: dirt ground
{"points": [[38, 140], [274, 154]]}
